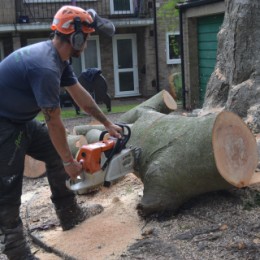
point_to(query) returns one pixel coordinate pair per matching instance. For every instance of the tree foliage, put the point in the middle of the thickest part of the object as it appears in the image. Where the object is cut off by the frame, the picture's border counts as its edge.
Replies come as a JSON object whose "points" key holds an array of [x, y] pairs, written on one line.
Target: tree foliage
{"points": [[169, 14]]}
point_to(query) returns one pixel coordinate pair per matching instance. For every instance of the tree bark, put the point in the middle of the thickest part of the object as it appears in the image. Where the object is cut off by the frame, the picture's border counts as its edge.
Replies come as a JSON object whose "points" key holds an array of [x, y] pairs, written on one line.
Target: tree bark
{"points": [[235, 83]]}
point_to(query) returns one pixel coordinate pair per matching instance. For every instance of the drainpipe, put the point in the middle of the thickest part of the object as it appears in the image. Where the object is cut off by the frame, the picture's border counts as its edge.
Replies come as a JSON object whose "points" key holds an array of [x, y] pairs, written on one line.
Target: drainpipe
{"points": [[182, 62], [156, 46]]}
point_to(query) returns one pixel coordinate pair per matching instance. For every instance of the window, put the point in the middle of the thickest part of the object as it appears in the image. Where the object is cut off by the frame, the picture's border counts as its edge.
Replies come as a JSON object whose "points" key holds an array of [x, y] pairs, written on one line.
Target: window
{"points": [[122, 6], [173, 54], [1, 51], [90, 58]]}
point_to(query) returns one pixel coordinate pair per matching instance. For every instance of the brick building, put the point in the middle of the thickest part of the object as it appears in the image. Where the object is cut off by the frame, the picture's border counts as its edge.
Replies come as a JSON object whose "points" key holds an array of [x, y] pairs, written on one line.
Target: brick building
{"points": [[135, 61]]}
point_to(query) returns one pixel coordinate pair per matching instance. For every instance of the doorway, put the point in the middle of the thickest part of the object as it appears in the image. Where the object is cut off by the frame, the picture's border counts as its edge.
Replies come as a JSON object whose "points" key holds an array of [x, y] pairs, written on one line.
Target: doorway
{"points": [[125, 65]]}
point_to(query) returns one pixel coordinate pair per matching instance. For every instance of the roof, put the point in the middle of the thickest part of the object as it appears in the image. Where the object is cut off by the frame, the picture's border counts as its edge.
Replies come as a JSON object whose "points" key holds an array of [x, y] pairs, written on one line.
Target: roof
{"points": [[193, 3]]}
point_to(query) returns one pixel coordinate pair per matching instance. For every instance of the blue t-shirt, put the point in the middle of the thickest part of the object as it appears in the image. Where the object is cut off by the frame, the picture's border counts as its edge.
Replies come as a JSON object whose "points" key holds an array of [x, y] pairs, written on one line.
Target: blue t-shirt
{"points": [[30, 79]]}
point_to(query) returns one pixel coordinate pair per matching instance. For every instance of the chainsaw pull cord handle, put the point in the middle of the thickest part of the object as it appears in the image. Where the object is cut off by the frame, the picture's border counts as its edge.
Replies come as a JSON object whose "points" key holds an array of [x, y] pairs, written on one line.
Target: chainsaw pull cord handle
{"points": [[120, 143]]}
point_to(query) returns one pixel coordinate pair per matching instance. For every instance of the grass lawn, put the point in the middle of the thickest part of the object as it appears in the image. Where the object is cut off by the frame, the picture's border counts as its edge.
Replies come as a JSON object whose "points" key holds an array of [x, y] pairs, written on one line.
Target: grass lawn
{"points": [[70, 111]]}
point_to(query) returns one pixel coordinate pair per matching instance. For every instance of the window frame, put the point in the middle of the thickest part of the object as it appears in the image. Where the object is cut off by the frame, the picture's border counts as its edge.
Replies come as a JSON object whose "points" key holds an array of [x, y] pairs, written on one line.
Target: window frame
{"points": [[1, 51], [130, 11], [82, 56], [168, 59]]}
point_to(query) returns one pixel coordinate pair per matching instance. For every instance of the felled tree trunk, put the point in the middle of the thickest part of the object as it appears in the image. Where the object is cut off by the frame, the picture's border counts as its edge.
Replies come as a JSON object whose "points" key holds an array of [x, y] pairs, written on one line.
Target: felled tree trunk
{"points": [[186, 156], [183, 157], [234, 84]]}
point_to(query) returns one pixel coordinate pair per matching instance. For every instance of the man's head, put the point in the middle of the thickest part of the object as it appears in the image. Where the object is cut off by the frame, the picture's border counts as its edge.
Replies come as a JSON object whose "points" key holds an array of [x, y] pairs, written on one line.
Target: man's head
{"points": [[73, 24]]}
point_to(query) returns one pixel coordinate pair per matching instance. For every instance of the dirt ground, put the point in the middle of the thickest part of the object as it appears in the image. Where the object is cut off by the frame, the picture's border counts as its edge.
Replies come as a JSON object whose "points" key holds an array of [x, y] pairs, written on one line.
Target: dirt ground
{"points": [[219, 225]]}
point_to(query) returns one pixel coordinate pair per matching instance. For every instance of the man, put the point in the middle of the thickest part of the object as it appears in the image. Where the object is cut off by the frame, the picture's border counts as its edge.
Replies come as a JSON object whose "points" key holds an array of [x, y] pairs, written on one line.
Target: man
{"points": [[30, 82]]}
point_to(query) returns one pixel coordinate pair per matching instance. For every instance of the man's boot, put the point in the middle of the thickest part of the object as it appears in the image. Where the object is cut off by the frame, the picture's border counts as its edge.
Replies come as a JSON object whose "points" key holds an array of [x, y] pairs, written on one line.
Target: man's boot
{"points": [[13, 243], [71, 214]]}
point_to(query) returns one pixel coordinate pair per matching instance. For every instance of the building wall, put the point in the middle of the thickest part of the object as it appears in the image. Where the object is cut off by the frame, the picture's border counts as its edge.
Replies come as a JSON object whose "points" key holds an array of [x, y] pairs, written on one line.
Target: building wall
{"points": [[7, 11], [16, 38], [164, 26], [149, 86]]}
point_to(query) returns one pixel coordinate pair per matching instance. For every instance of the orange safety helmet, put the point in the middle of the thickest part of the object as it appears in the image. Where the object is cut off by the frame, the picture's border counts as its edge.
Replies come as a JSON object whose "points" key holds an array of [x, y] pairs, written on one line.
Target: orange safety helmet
{"points": [[63, 21]]}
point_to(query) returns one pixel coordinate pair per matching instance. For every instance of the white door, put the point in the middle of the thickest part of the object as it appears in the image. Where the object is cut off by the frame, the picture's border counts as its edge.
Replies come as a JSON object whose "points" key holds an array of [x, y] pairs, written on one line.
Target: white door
{"points": [[125, 65]]}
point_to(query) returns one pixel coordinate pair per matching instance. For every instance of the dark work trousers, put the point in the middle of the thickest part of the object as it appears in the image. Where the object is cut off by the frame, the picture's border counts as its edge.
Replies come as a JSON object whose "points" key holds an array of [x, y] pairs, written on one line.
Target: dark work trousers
{"points": [[17, 140]]}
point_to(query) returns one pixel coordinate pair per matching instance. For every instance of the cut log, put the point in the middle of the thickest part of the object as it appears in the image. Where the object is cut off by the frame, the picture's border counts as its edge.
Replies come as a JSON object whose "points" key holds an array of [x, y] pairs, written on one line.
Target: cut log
{"points": [[183, 157], [161, 102], [83, 129], [93, 135], [33, 168], [75, 142]]}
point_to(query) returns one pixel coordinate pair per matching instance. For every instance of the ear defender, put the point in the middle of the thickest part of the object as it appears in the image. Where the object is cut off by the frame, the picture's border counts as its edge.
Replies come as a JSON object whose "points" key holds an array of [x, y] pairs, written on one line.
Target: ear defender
{"points": [[77, 39]]}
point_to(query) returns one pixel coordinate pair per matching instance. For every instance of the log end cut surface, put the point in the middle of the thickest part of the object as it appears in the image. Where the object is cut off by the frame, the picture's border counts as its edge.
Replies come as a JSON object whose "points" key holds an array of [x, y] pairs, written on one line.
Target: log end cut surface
{"points": [[169, 101], [235, 149]]}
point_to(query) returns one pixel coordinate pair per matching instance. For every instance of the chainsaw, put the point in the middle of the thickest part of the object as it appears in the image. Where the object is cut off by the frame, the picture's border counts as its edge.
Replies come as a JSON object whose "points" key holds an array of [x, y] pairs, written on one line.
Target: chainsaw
{"points": [[104, 162]]}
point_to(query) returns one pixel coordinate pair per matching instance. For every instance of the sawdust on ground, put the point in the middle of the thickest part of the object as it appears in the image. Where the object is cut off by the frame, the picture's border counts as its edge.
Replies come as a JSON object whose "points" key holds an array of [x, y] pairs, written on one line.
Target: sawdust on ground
{"points": [[104, 236]]}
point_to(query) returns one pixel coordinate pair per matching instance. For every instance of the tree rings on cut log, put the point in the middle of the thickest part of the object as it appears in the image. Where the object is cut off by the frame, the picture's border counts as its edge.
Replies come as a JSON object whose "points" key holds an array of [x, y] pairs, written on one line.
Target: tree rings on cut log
{"points": [[169, 101], [235, 149]]}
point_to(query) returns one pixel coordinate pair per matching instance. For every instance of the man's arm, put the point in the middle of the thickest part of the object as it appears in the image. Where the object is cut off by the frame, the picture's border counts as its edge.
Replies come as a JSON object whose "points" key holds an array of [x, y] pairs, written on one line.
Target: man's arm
{"points": [[57, 134], [88, 104]]}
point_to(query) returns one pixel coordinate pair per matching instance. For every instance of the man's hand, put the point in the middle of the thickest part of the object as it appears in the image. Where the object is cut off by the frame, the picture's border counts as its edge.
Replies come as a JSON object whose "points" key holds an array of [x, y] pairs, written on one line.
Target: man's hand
{"points": [[114, 130], [58, 137], [73, 168]]}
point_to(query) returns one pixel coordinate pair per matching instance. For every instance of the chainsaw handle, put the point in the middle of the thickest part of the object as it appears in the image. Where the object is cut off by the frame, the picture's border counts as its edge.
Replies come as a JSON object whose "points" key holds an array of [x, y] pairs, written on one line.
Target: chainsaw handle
{"points": [[125, 136], [120, 143], [102, 135]]}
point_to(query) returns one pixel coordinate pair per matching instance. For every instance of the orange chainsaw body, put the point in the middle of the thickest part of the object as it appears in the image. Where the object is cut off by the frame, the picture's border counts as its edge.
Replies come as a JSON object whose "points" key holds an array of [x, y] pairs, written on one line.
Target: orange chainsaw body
{"points": [[90, 155]]}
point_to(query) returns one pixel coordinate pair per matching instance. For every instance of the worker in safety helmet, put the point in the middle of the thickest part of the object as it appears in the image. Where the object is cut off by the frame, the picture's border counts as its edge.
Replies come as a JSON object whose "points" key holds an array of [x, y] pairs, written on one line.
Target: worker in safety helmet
{"points": [[31, 78]]}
